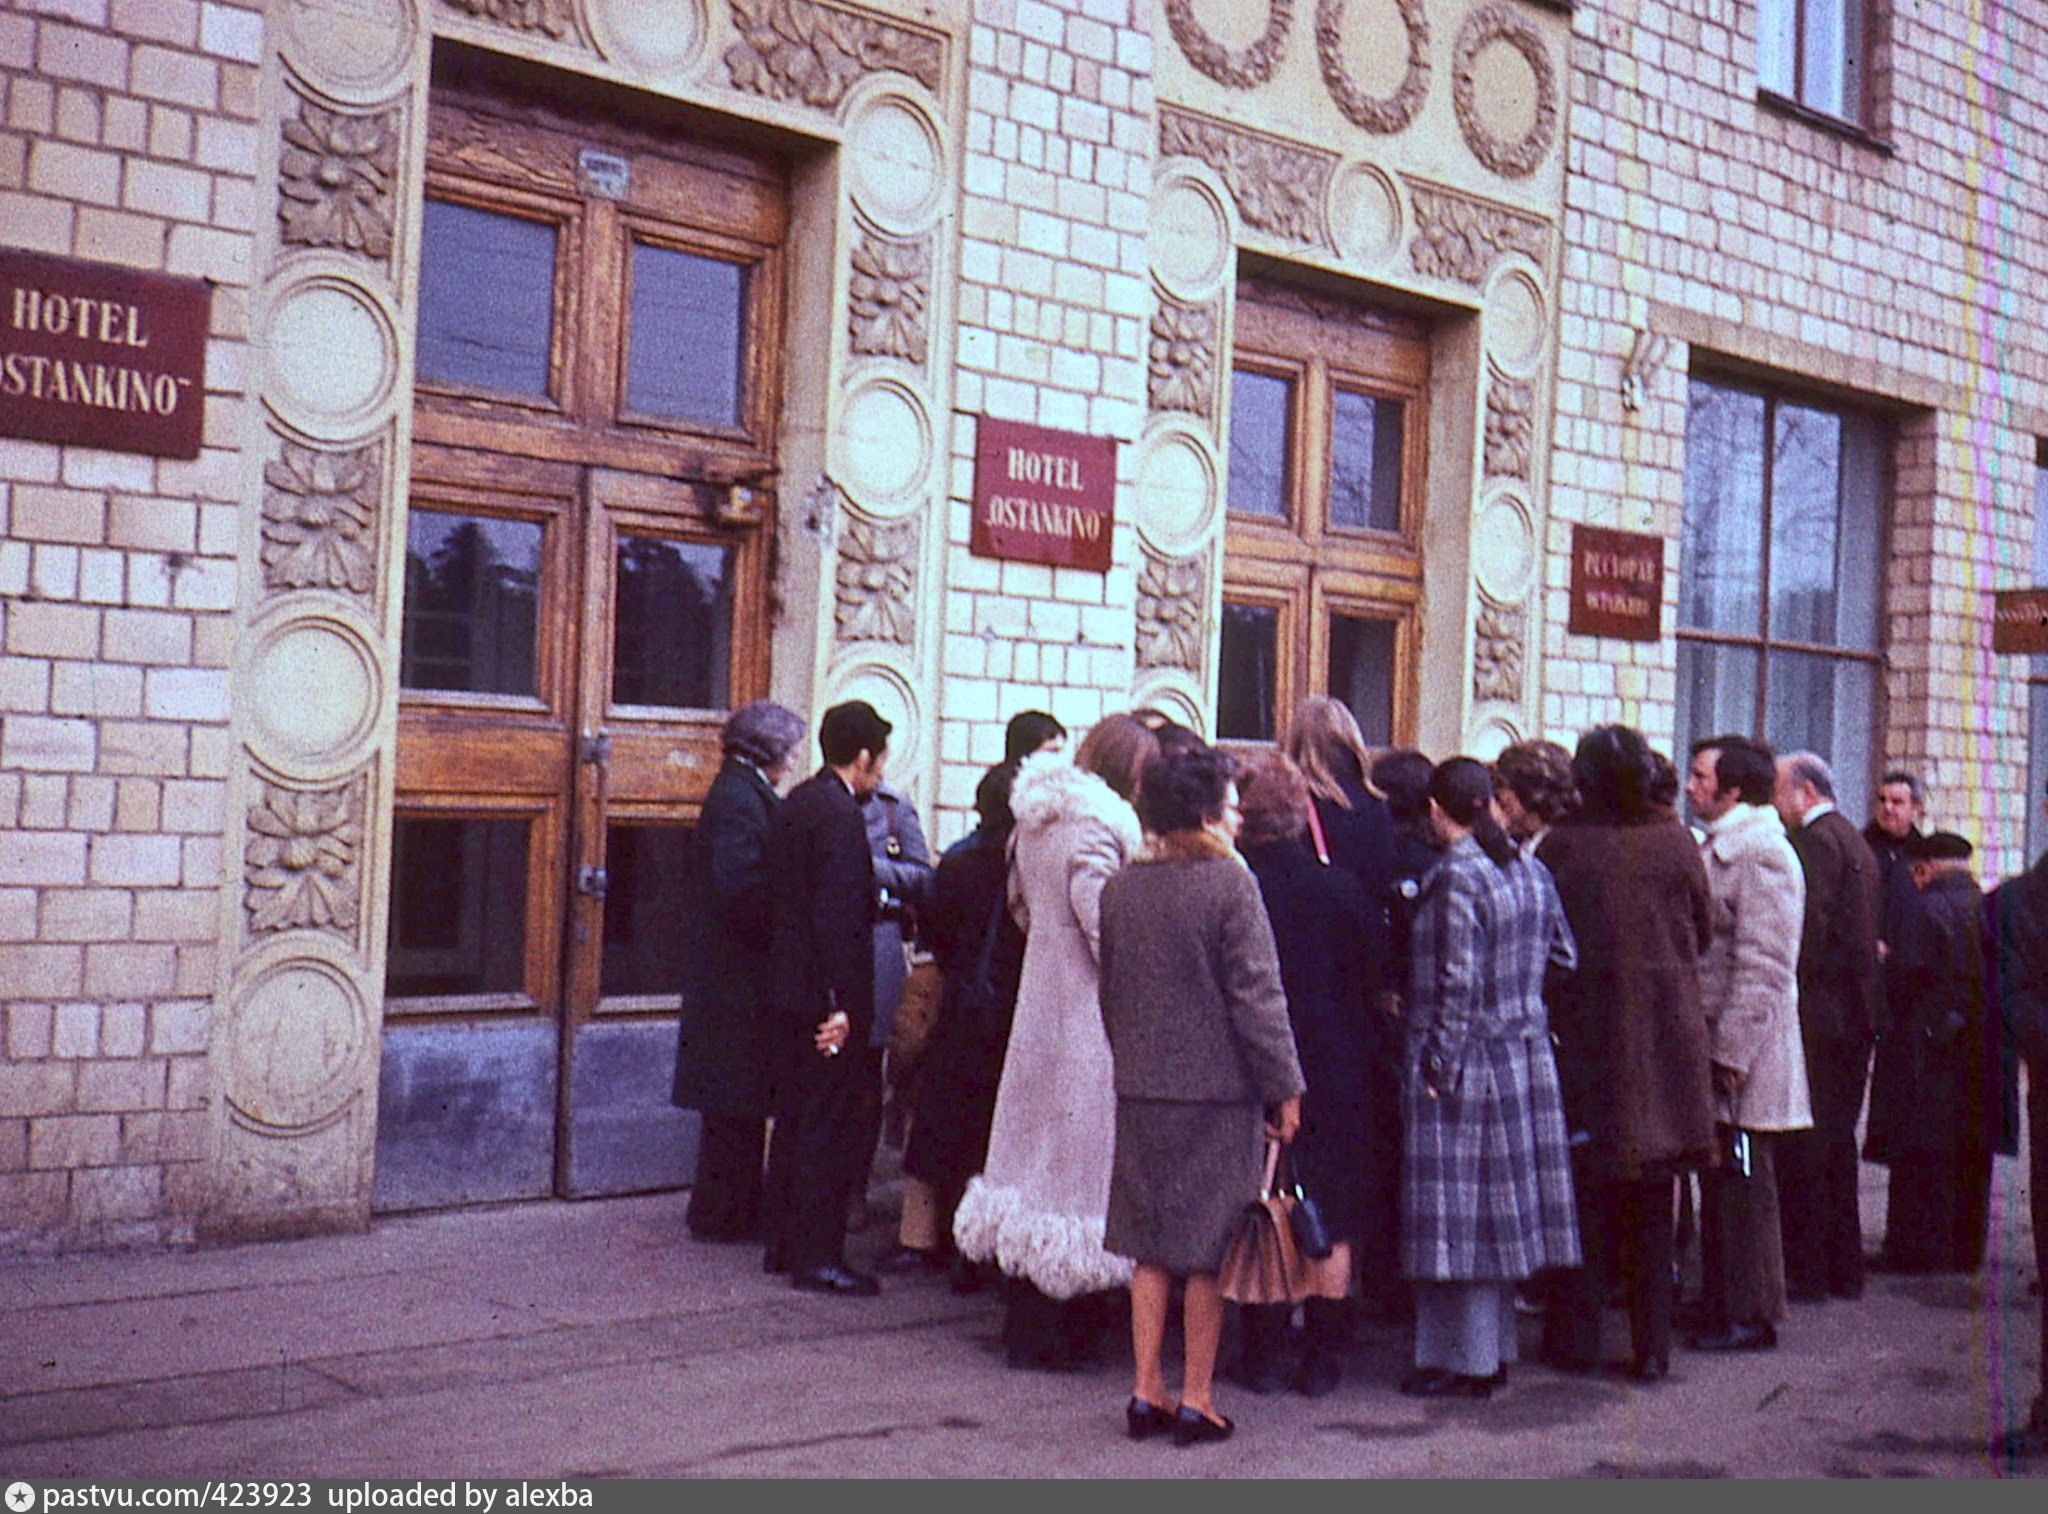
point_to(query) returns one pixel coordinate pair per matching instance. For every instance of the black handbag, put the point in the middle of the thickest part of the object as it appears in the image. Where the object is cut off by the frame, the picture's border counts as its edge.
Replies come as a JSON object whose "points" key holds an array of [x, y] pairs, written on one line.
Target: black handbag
{"points": [[1311, 1235]]}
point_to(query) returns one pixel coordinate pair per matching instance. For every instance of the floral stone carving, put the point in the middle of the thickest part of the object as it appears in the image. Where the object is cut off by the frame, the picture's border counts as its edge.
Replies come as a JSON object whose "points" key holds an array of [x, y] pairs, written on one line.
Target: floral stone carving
{"points": [[802, 50], [1458, 237], [1234, 70], [1517, 159], [1279, 186], [886, 296], [877, 574], [549, 17], [1510, 428], [1497, 653], [1393, 113], [1170, 613], [303, 861], [1183, 356], [334, 179], [317, 511]]}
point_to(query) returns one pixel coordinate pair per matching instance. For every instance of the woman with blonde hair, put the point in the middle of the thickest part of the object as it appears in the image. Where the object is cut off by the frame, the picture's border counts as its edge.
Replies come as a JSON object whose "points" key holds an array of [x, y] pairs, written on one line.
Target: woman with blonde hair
{"points": [[1038, 1205]]}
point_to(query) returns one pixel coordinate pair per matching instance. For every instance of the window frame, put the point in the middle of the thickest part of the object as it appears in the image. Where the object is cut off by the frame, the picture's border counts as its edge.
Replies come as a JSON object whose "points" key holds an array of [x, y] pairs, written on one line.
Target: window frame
{"points": [[1857, 59]]}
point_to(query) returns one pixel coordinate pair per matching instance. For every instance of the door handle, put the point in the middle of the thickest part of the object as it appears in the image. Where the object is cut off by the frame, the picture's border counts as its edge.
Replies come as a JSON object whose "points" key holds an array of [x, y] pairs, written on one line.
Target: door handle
{"points": [[592, 882]]}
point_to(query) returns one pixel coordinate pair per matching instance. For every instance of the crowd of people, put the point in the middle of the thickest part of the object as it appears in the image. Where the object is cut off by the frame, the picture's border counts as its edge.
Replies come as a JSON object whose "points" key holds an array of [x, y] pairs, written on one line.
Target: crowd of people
{"points": [[1517, 1029]]}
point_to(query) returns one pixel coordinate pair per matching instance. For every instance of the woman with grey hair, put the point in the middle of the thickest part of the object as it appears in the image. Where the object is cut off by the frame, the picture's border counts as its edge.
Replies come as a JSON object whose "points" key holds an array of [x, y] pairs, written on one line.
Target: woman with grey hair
{"points": [[723, 1056]]}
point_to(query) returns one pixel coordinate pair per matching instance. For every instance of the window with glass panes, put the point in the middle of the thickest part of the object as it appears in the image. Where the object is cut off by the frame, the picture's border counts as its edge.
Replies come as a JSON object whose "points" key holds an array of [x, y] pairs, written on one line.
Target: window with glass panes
{"points": [[1322, 560], [2037, 676], [1812, 51], [1780, 570]]}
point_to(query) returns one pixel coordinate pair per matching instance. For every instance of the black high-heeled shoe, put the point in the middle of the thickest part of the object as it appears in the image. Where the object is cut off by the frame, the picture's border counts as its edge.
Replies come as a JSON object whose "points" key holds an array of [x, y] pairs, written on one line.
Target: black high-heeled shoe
{"points": [[1191, 1427], [1144, 1420]]}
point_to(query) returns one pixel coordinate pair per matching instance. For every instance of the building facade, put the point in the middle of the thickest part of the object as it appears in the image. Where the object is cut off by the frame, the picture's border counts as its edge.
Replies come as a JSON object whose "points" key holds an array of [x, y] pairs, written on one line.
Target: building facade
{"points": [[576, 370]]}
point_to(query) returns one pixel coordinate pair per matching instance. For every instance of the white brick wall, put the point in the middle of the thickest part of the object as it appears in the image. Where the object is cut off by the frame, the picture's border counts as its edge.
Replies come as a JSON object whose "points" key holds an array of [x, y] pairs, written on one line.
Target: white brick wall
{"points": [[126, 136]]}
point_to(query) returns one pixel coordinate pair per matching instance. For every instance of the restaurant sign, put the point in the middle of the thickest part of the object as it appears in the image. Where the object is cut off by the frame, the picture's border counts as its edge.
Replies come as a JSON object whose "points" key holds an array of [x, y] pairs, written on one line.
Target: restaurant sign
{"points": [[103, 356], [2019, 621], [1617, 584], [1043, 496]]}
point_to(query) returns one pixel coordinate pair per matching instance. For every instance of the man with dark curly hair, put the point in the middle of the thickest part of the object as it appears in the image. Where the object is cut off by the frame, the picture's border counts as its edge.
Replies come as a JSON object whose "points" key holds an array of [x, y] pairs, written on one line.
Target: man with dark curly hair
{"points": [[1534, 790]]}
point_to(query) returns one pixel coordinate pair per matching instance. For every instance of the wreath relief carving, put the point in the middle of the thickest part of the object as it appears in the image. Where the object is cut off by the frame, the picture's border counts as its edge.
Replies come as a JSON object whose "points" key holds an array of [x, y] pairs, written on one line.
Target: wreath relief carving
{"points": [[801, 50], [1483, 28], [1170, 613], [1233, 70], [886, 297], [549, 17], [334, 179], [1497, 652], [1460, 238], [1394, 112], [317, 512], [1510, 428], [1182, 360], [303, 861], [1279, 187], [876, 579]]}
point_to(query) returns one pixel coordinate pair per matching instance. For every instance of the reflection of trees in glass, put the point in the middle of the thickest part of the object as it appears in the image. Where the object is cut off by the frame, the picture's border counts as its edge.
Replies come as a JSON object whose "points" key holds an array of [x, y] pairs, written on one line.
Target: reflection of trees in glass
{"points": [[472, 591], [1806, 511], [1721, 546], [672, 642], [1259, 405]]}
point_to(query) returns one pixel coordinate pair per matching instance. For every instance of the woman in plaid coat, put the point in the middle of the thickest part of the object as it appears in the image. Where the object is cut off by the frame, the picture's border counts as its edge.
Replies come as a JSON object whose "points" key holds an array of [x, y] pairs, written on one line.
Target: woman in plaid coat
{"points": [[1486, 1191]]}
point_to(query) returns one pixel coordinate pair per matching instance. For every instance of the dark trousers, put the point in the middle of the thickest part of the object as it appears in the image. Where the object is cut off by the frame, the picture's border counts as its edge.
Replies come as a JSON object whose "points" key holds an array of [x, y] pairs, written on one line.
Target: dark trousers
{"points": [[1820, 1228], [1742, 1257], [2037, 1177], [725, 1201], [813, 1162], [1626, 1230], [1937, 1211]]}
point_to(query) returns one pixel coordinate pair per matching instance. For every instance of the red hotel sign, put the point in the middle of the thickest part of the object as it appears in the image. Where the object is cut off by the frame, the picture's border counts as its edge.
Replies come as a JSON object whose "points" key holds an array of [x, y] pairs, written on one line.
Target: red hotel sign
{"points": [[104, 356], [1617, 584], [2019, 623], [1043, 496]]}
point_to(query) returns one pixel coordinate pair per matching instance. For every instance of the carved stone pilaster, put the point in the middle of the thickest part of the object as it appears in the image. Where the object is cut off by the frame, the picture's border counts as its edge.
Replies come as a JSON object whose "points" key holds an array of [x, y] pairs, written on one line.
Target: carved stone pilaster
{"points": [[319, 509], [1279, 186], [334, 179], [1510, 426], [1517, 159], [1245, 69], [1393, 113], [1170, 595], [886, 297], [303, 862], [803, 50], [877, 580], [551, 18], [1182, 360], [1497, 642], [1460, 237]]}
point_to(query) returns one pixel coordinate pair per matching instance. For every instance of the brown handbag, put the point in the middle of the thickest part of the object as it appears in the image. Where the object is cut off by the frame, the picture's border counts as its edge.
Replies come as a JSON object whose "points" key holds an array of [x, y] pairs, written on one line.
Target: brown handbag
{"points": [[1261, 1262]]}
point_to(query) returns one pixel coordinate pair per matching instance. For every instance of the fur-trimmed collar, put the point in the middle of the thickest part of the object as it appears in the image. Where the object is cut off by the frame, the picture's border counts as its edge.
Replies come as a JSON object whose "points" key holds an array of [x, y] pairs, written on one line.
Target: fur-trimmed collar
{"points": [[1187, 846], [1050, 789]]}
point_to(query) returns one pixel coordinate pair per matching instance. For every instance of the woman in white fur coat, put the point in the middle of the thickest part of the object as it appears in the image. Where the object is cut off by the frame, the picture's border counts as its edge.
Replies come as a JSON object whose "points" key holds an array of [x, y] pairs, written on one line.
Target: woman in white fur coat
{"points": [[1038, 1206]]}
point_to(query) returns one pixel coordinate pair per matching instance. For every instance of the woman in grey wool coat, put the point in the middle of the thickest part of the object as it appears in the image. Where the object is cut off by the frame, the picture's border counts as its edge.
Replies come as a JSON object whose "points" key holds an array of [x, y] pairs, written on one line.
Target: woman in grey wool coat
{"points": [[1486, 1190], [1205, 1067]]}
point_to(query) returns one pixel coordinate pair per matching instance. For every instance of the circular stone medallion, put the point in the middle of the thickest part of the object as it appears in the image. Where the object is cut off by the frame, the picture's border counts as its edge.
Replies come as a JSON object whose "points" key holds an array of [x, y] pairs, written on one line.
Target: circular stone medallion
{"points": [[331, 351], [1504, 91], [314, 691], [1365, 214], [896, 162], [294, 1042], [657, 36], [885, 442], [1177, 491], [348, 45], [1515, 318], [1490, 737], [887, 690], [1503, 550], [1190, 239]]}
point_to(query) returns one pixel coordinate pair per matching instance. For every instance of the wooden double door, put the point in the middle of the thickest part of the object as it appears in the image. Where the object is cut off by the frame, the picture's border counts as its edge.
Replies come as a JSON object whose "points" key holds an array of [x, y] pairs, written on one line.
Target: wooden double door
{"points": [[586, 595]]}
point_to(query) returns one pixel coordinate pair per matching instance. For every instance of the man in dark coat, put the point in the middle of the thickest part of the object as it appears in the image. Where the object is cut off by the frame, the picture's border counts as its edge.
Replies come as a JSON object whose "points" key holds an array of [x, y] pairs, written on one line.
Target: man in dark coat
{"points": [[1894, 836], [1934, 1110], [822, 996], [2019, 910], [1840, 995], [726, 1047]]}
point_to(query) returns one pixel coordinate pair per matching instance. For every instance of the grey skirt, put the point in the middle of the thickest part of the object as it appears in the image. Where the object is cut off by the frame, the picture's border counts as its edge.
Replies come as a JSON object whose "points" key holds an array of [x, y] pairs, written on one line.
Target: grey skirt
{"points": [[1182, 1173]]}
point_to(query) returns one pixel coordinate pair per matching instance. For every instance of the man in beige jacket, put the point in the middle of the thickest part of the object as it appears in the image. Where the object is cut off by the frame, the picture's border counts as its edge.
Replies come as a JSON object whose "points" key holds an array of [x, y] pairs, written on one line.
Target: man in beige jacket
{"points": [[1749, 988]]}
